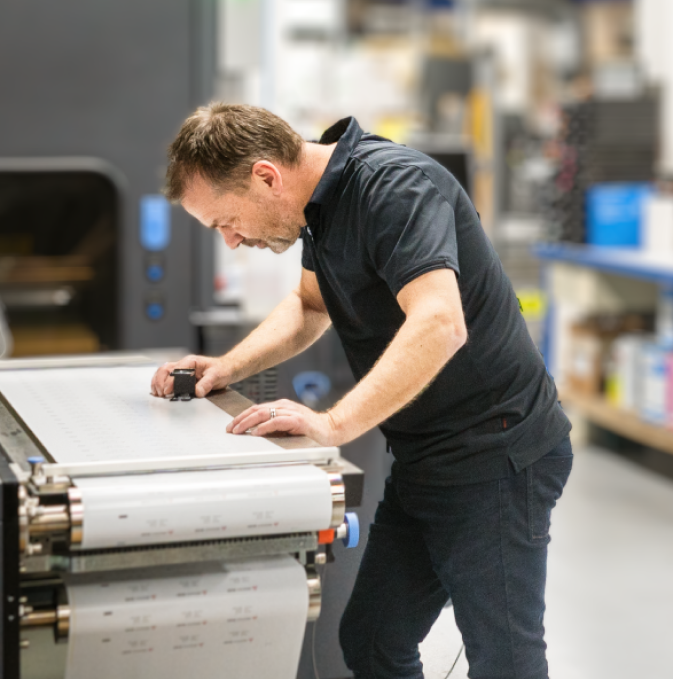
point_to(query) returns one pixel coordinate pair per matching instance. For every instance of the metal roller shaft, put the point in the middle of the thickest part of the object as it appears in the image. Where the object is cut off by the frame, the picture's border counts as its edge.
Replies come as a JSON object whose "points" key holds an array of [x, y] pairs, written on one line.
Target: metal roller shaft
{"points": [[50, 519], [47, 519], [338, 499], [39, 618], [58, 617], [314, 596]]}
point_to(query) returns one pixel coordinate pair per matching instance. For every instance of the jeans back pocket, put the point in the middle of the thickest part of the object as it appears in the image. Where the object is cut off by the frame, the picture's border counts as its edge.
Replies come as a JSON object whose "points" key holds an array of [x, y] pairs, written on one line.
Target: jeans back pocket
{"points": [[546, 479]]}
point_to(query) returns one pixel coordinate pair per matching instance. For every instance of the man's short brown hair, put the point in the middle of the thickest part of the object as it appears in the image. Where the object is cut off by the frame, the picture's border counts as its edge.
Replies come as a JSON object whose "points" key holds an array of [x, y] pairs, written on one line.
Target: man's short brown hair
{"points": [[221, 143]]}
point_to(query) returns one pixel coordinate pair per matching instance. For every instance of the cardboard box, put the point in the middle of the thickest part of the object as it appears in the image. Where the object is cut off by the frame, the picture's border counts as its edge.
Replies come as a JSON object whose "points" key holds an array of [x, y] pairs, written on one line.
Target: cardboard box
{"points": [[587, 351], [607, 31], [590, 348]]}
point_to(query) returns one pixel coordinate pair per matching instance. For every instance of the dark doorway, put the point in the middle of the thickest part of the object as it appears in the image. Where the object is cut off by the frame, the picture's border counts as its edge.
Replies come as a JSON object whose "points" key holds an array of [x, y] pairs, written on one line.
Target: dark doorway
{"points": [[59, 261]]}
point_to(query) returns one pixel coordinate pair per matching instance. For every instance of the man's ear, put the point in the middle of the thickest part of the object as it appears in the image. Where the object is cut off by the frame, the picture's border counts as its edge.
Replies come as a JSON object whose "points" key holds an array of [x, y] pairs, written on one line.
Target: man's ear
{"points": [[269, 174]]}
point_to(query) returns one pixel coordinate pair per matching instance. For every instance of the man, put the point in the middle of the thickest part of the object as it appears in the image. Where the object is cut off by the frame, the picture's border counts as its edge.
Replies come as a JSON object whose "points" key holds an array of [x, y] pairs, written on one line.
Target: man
{"points": [[395, 258]]}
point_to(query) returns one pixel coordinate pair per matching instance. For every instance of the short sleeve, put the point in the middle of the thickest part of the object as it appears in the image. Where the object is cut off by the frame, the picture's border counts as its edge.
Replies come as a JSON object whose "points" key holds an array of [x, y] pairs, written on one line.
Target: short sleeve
{"points": [[409, 226], [307, 250]]}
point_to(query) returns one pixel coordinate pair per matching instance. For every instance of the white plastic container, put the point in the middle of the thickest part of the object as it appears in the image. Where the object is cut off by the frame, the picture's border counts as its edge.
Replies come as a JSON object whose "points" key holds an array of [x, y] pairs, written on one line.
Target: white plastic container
{"points": [[657, 224], [624, 377], [664, 319], [652, 362]]}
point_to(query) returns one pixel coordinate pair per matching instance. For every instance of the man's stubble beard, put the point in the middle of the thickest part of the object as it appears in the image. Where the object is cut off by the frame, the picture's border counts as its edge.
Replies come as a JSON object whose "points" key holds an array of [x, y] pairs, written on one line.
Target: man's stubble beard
{"points": [[279, 246], [272, 238], [276, 245]]}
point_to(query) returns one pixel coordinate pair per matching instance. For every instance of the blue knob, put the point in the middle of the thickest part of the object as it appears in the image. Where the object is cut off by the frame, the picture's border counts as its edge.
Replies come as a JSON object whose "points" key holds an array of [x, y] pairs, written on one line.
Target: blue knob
{"points": [[36, 462], [311, 386], [155, 311], [353, 535], [155, 272]]}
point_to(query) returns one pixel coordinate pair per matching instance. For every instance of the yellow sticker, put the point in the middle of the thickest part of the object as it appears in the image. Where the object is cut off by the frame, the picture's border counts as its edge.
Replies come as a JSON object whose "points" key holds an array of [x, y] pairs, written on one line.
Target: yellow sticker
{"points": [[532, 303]]}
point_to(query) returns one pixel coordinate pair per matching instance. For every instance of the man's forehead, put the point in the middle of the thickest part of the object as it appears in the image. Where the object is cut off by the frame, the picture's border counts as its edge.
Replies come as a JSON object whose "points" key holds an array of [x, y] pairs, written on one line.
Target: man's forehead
{"points": [[197, 189], [202, 202]]}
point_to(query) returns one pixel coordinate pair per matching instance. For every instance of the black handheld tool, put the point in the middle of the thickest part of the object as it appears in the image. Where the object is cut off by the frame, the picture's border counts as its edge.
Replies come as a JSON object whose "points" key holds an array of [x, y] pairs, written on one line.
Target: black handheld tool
{"points": [[184, 384]]}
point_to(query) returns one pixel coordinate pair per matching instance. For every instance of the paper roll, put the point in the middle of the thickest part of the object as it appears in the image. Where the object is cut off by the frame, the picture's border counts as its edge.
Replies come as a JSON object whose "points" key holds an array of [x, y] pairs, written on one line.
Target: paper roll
{"points": [[171, 507], [238, 621]]}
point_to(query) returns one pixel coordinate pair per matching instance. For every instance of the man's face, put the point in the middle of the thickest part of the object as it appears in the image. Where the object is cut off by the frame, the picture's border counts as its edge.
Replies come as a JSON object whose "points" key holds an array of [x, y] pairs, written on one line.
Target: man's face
{"points": [[256, 217]]}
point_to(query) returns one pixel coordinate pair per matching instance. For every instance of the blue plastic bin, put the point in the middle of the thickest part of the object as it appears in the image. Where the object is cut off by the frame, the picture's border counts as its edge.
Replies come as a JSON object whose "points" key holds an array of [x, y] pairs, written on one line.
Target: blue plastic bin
{"points": [[614, 213]]}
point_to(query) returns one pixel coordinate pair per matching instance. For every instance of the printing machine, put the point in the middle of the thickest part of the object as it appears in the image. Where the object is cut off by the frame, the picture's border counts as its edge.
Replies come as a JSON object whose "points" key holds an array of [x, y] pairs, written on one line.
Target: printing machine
{"points": [[48, 497], [92, 257]]}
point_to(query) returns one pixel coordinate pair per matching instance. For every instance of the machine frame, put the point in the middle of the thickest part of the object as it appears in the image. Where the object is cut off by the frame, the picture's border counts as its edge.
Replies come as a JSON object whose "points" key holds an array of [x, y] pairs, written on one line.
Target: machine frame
{"points": [[26, 484]]}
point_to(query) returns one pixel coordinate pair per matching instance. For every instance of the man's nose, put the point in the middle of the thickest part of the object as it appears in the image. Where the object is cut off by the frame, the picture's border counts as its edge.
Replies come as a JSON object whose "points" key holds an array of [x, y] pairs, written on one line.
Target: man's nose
{"points": [[231, 238]]}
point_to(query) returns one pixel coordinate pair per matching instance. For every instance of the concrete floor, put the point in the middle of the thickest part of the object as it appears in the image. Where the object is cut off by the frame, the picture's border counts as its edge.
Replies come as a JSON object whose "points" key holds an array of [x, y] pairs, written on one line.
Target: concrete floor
{"points": [[610, 586]]}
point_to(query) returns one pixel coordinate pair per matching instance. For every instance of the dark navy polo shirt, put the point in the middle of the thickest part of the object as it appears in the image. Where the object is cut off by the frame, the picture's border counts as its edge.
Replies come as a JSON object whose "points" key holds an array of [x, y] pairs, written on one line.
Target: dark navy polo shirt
{"points": [[382, 215]]}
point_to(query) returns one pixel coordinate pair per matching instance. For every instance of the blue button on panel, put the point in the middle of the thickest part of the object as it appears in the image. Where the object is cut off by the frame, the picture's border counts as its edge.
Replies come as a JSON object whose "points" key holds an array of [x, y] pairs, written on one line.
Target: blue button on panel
{"points": [[155, 311], [155, 273], [155, 222]]}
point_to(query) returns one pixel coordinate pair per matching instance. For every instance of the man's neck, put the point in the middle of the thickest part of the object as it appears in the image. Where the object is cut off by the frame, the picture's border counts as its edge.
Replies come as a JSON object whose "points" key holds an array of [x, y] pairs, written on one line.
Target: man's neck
{"points": [[315, 158]]}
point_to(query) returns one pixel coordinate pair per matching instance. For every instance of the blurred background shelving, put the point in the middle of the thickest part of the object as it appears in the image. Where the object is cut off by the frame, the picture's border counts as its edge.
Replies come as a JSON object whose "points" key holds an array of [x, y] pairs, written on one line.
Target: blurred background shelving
{"points": [[654, 267], [599, 370]]}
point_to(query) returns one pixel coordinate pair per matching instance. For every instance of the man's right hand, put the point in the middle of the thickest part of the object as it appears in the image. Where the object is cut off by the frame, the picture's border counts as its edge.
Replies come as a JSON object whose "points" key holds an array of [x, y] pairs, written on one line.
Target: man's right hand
{"points": [[210, 374]]}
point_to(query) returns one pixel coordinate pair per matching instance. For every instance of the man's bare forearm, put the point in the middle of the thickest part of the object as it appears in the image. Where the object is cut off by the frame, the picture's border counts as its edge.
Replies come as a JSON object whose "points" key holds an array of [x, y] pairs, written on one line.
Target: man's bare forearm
{"points": [[419, 351], [292, 327]]}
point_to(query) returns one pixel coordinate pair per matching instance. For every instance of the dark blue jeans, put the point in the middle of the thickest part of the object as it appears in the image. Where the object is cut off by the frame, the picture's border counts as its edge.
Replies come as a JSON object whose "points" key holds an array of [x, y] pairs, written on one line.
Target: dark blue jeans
{"points": [[485, 546]]}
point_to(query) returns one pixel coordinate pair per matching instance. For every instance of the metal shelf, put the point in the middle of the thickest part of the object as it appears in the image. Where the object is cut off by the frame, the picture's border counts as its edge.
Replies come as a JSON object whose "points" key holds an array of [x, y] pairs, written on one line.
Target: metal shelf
{"points": [[624, 422], [633, 263]]}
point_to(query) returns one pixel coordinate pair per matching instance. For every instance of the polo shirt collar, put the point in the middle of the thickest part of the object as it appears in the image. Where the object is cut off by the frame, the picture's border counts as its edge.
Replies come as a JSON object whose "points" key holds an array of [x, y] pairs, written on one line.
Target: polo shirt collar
{"points": [[347, 133]]}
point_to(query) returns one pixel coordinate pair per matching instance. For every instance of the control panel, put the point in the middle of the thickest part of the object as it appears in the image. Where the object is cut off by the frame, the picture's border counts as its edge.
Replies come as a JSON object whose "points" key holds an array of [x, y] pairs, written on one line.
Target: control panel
{"points": [[155, 236]]}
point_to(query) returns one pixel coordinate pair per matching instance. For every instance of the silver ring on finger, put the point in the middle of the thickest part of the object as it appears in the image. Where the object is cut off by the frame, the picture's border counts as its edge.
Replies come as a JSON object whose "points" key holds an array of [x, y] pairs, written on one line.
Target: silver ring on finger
{"points": [[272, 413]]}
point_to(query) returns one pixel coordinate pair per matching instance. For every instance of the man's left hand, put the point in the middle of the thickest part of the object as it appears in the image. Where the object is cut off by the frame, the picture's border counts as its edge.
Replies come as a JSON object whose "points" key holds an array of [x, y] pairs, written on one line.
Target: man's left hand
{"points": [[290, 418]]}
